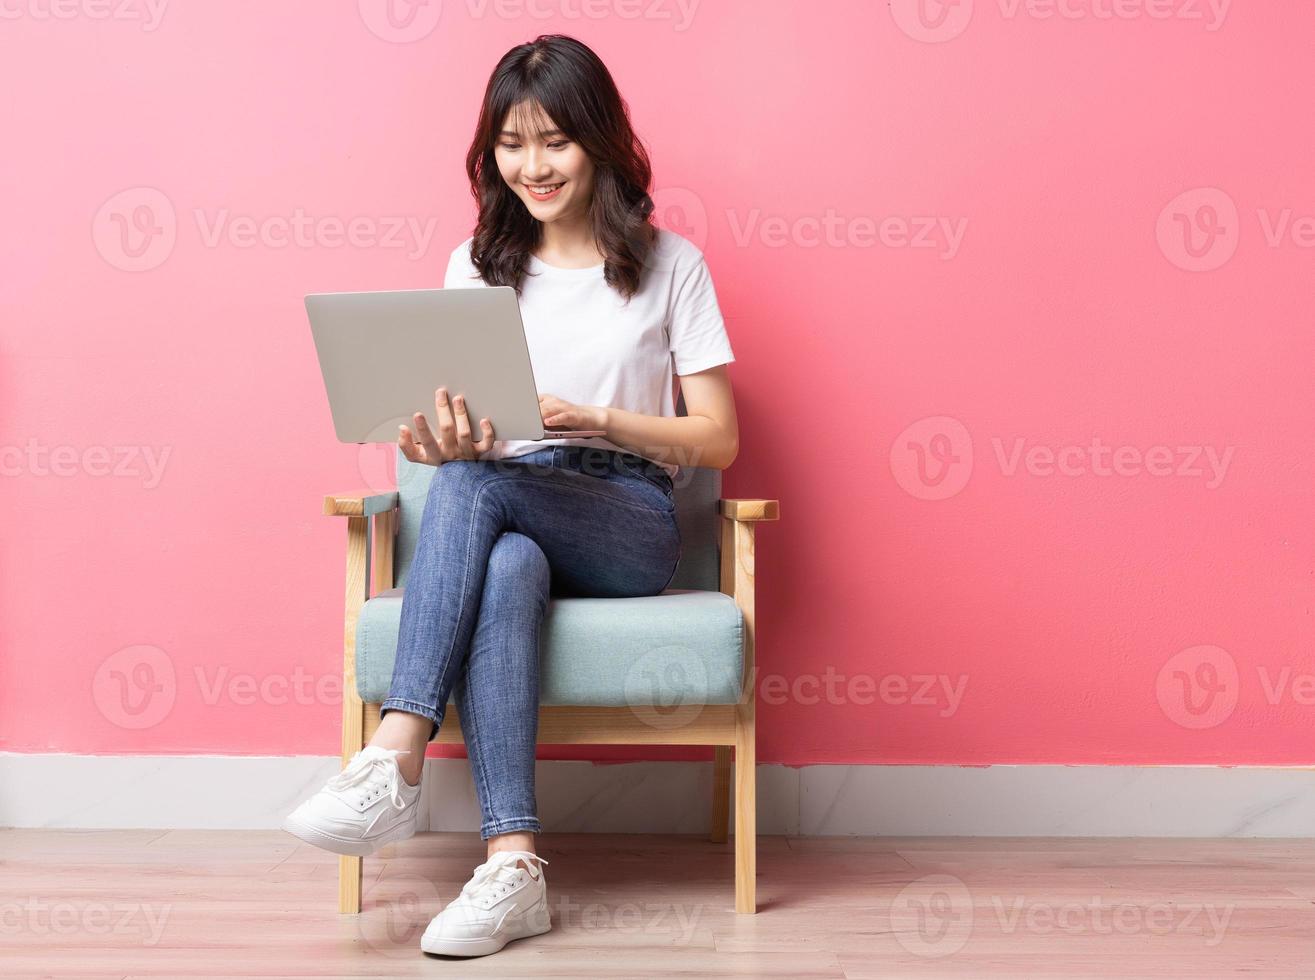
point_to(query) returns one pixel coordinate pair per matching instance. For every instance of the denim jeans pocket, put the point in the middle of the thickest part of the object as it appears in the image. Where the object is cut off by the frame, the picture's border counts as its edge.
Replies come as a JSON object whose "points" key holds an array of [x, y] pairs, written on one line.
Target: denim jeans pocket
{"points": [[641, 468]]}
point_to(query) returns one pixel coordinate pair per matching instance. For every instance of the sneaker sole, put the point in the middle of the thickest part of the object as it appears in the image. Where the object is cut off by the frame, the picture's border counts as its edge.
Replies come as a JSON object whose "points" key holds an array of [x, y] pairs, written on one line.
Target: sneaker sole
{"points": [[477, 947], [341, 845]]}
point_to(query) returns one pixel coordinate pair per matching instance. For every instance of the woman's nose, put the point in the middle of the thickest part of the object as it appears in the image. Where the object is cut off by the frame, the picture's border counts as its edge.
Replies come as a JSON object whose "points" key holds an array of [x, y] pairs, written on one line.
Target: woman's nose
{"points": [[534, 164]]}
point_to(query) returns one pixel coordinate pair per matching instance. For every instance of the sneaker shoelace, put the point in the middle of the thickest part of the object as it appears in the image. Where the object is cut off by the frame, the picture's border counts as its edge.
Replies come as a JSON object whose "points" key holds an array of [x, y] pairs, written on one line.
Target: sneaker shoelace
{"points": [[368, 768], [492, 878]]}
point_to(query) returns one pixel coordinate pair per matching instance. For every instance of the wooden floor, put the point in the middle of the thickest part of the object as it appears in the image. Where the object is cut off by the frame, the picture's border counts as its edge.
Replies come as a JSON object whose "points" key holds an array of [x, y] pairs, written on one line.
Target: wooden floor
{"points": [[259, 903]]}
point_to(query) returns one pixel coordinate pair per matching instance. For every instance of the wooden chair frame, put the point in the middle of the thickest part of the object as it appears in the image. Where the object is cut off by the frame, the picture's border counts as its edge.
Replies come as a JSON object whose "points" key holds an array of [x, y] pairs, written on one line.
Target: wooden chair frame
{"points": [[371, 535]]}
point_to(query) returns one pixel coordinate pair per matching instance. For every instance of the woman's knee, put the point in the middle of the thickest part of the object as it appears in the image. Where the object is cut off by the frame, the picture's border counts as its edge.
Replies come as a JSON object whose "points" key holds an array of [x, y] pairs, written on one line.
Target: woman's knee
{"points": [[461, 472], [516, 557], [460, 482]]}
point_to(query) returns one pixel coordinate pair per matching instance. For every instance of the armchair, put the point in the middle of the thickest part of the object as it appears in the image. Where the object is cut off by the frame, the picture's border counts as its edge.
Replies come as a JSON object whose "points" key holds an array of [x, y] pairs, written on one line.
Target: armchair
{"points": [[611, 668]]}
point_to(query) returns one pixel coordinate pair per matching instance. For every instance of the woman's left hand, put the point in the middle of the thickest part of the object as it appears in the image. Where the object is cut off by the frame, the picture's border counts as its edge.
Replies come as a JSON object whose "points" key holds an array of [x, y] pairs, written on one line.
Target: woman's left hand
{"points": [[560, 414]]}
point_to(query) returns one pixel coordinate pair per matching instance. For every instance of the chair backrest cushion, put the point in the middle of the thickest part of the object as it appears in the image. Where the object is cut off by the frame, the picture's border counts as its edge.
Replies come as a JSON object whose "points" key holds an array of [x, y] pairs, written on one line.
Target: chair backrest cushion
{"points": [[697, 491]]}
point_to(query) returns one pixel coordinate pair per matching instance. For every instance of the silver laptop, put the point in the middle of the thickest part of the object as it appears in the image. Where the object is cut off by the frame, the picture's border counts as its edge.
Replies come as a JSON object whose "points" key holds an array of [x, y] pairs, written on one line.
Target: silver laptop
{"points": [[382, 355]]}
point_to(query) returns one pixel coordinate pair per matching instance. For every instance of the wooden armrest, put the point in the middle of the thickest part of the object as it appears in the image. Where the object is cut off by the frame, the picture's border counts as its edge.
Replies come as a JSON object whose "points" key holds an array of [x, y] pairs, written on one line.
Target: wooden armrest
{"points": [[751, 510], [360, 503]]}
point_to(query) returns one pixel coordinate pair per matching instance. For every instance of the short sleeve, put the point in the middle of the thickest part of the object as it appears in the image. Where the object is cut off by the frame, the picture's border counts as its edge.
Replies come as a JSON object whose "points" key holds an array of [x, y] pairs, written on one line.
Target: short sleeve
{"points": [[698, 338], [460, 271]]}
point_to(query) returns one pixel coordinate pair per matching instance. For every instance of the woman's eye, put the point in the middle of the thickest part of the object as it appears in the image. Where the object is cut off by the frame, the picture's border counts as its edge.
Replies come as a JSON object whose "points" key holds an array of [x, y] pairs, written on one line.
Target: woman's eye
{"points": [[559, 145]]}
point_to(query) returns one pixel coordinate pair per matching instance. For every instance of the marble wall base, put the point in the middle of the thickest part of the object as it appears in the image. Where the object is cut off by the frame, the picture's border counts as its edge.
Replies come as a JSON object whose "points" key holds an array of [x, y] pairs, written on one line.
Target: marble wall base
{"points": [[232, 792]]}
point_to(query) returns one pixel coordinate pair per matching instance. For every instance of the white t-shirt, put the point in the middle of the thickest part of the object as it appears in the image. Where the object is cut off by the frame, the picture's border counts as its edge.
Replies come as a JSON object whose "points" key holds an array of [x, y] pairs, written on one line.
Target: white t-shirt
{"points": [[588, 347]]}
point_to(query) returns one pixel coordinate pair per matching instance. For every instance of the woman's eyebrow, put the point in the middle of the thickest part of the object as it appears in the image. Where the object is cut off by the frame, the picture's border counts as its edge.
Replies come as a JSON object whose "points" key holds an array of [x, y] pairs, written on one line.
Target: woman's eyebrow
{"points": [[542, 136]]}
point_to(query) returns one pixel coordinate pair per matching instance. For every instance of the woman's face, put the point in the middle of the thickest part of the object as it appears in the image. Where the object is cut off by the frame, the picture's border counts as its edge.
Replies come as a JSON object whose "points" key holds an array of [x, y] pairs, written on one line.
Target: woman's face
{"points": [[534, 156]]}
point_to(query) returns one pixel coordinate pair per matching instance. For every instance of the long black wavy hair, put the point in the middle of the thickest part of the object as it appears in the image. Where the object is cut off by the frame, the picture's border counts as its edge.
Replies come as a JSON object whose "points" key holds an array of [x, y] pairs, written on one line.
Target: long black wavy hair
{"points": [[563, 78]]}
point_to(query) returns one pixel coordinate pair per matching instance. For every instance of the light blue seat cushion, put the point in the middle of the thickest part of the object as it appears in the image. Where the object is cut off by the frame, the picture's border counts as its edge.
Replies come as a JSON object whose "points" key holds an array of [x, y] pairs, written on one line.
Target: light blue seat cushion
{"points": [[683, 646]]}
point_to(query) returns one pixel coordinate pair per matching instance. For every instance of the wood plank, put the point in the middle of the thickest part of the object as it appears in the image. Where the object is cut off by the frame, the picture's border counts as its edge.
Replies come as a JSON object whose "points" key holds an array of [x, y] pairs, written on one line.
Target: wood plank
{"points": [[737, 581], [563, 725], [194, 903], [353, 712], [721, 793], [750, 510], [359, 503]]}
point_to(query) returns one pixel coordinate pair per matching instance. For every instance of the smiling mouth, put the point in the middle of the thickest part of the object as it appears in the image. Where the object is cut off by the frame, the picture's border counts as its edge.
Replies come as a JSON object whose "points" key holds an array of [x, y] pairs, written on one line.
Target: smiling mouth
{"points": [[543, 190]]}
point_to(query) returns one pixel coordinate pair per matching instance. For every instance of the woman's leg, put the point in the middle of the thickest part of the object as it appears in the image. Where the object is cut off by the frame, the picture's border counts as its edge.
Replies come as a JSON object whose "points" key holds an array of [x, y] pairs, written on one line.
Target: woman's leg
{"points": [[604, 535], [498, 692]]}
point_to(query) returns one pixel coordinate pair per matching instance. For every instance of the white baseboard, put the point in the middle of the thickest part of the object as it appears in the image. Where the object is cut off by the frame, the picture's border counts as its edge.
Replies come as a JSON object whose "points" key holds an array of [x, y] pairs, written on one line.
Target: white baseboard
{"points": [[255, 792]]}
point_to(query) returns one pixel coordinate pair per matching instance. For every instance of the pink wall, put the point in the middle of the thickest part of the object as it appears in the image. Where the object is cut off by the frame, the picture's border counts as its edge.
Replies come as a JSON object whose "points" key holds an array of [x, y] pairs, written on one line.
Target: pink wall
{"points": [[952, 255]]}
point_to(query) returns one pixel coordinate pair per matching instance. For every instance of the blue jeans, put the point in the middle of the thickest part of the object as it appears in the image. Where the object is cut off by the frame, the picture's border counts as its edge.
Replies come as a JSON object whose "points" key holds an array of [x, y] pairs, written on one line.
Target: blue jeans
{"points": [[497, 538]]}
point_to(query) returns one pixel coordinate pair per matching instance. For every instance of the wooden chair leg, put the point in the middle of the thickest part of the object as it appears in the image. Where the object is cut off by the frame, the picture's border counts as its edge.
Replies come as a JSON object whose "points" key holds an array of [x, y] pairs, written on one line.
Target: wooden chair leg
{"points": [[349, 885], [746, 814], [351, 869], [353, 711], [721, 792], [737, 581]]}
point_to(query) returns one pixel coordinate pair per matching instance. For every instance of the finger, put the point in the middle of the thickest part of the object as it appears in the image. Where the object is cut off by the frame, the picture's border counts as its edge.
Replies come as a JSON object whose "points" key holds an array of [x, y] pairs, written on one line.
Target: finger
{"points": [[426, 435], [447, 427], [486, 442], [406, 444], [463, 424]]}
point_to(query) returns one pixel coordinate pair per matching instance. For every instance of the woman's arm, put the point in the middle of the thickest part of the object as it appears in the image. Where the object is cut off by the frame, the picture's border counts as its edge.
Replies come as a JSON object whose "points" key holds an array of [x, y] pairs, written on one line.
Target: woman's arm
{"points": [[708, 436]]}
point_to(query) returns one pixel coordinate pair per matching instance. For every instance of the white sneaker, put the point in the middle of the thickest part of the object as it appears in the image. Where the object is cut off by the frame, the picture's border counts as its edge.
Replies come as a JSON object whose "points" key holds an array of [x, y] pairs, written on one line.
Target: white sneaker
{"points": [[501, 902], [364, 807]]}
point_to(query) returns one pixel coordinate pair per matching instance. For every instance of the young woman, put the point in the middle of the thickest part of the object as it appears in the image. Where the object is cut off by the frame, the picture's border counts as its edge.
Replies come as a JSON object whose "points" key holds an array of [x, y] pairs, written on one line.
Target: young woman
{"points": [[614, 311]]}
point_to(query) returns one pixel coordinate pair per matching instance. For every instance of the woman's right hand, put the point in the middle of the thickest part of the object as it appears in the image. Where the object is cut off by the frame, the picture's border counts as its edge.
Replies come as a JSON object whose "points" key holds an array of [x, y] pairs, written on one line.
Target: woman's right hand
{"points": [[453, 437]]}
